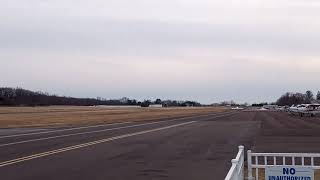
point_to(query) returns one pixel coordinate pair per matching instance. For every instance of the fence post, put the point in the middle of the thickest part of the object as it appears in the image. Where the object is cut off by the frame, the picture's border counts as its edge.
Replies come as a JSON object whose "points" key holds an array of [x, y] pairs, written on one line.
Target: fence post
{"points": [[250, 177], [234, 164], [241, 149]]}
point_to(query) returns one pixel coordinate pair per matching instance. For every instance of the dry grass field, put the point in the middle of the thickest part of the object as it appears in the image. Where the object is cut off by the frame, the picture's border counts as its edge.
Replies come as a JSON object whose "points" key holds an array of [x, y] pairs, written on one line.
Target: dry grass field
{"points": [[73, 115]]}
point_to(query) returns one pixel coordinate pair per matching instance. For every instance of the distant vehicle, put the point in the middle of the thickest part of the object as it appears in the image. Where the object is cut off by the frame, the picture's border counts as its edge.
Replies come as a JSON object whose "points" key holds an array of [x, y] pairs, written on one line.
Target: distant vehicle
{"points": [[281, 108], [271, 107], [237, 108]]}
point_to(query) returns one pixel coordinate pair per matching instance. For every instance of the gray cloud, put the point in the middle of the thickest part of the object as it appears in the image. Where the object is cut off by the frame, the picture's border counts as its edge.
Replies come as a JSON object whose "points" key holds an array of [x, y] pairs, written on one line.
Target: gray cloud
{"points": [[135, 36], [206, 50]]}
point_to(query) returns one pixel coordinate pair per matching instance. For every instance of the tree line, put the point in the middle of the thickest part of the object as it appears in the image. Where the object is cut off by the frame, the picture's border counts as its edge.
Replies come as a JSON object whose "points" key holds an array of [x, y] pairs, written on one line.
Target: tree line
{"points": [[22, 97], [290, 99]]}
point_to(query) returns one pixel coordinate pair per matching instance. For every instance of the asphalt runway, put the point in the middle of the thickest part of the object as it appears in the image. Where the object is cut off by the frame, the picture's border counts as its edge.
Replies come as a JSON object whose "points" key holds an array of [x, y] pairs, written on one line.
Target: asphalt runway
{"points": [[191, 148]]}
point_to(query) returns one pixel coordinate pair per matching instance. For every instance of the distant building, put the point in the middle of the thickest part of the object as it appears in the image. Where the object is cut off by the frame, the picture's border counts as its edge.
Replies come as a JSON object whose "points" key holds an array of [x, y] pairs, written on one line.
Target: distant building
{"points": [[156, 106]]}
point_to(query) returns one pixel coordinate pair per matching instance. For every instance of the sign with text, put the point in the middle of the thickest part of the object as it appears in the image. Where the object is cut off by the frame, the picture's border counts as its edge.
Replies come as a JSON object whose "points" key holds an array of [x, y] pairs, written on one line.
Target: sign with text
{"points": [[289, 173]]}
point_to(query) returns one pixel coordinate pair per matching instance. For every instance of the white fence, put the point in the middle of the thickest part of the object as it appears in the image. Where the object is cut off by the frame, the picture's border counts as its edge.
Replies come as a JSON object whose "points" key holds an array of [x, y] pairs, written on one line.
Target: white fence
{"points": [[236, 171], [258, 161]]}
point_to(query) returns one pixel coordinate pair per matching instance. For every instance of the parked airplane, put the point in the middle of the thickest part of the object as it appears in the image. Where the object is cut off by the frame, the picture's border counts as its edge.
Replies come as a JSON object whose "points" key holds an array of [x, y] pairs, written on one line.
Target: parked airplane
{"points": [[302, 109], [294, 108]]}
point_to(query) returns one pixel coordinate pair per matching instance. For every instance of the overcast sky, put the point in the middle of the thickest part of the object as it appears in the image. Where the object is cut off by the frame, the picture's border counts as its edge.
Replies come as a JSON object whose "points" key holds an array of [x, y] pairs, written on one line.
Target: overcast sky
{"points": [[204, 50]]}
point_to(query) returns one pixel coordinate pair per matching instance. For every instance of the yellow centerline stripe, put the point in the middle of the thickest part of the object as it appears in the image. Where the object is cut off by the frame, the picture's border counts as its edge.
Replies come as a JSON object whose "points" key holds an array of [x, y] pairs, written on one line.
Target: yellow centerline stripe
{"points": [[91, 132], [26, 158]]}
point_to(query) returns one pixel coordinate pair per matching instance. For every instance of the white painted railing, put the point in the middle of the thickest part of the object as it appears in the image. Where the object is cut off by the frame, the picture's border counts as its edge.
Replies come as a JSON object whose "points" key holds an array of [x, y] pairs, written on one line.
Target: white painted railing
{"points": [[262, 160], [236, 171]]}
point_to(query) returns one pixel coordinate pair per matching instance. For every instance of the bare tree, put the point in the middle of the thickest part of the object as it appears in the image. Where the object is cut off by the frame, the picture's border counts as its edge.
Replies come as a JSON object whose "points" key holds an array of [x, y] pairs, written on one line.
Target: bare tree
{"points": [[292, 99], [158, 101], [309, 96]]}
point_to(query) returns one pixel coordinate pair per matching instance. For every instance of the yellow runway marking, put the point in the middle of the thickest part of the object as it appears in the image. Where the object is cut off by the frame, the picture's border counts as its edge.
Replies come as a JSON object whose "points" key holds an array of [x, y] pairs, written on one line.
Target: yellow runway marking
{"points": [[27, 158]]}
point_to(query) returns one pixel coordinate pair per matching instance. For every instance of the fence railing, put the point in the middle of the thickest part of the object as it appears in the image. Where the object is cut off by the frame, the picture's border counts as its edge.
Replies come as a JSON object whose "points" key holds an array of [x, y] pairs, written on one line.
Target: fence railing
{"points": [[263, 160], [236, 171]]}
